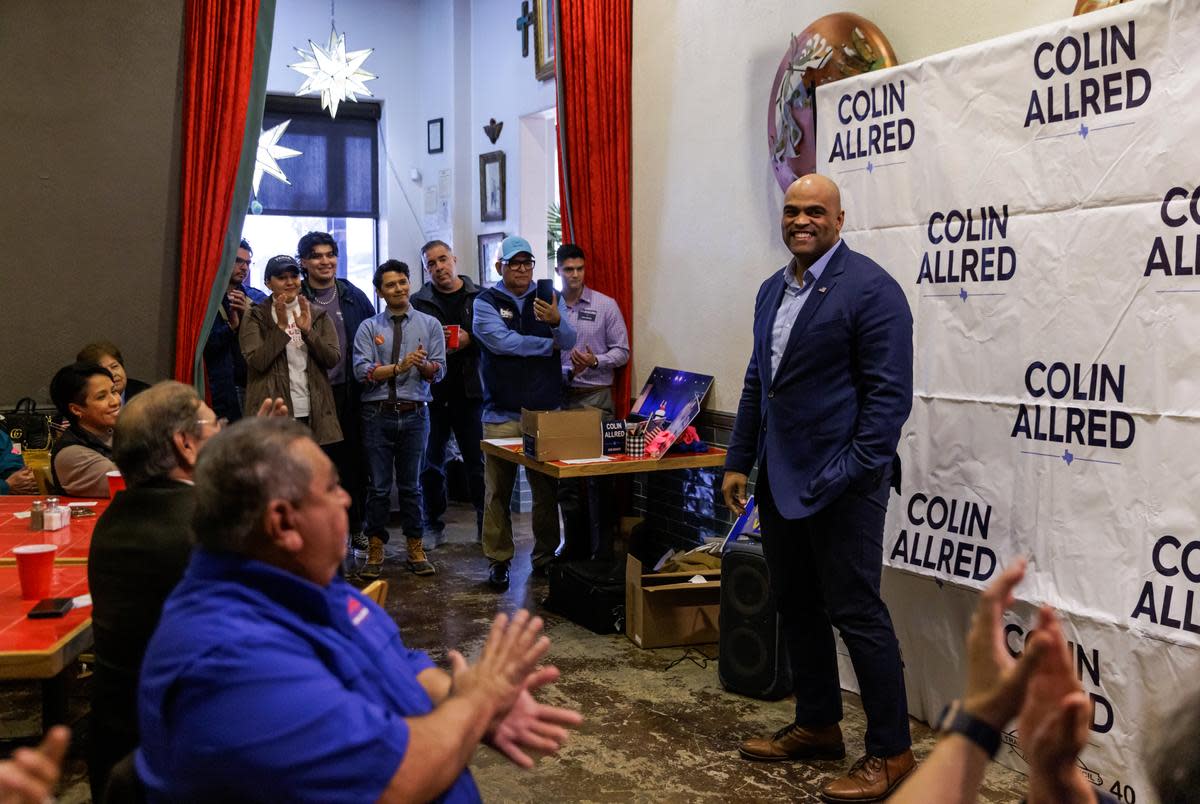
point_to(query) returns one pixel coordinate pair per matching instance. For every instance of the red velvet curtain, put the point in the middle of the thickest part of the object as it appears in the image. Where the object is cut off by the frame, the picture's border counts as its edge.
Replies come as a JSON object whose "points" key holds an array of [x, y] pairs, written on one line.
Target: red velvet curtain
{"points": [[219, 43], [594, 47]]}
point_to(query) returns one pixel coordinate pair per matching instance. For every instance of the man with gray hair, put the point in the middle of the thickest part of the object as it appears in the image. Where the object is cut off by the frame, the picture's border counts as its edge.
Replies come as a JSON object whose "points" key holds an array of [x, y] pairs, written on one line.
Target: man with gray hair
{"points": [[140, 548], [271, 678]]}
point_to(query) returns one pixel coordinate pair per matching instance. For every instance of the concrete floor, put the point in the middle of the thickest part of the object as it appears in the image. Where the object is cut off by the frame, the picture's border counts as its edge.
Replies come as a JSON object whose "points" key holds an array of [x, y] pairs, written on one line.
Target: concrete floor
{"points": [[659, 727]]}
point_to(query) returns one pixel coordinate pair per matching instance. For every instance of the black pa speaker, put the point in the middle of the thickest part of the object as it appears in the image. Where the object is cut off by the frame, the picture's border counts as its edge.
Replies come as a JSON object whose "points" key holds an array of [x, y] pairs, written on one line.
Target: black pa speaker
{"points": [[753, 655]]}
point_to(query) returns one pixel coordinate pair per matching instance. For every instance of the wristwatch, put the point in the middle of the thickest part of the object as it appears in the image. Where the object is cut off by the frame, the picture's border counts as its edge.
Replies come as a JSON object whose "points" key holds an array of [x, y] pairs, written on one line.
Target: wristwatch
{"points": [[956, 720]]}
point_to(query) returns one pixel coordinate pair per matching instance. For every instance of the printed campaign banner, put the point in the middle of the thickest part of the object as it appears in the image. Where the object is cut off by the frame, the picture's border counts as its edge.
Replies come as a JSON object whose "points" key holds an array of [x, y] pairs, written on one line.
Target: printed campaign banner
{"points": [[1037, 197]]}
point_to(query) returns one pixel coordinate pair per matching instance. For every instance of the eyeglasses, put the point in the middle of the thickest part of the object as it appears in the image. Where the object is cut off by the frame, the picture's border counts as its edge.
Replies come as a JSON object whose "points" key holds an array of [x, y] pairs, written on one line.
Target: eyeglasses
{"points": [[219, 424], [240, 261], [520, 265]]}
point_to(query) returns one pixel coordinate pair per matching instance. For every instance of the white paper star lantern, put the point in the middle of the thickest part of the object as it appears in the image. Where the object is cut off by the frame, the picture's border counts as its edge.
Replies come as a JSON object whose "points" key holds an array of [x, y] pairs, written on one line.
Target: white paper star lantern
{"points": [[269, 154], [333, 72]]}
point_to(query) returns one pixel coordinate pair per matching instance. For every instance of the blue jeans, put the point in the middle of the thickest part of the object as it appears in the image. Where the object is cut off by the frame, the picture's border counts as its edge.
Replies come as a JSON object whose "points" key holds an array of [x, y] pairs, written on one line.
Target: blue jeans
{"points": [[393, 440]]}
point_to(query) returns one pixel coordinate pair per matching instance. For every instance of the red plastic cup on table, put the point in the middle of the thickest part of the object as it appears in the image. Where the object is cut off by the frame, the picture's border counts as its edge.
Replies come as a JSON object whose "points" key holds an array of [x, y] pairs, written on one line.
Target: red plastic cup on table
{"points": [[35, 568], [115, 483], [452, 331]]}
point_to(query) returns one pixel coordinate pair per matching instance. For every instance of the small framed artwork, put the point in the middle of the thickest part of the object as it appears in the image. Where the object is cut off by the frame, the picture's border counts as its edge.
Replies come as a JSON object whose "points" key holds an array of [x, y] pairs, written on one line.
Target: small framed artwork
{"points": [[489, 252], [491, 186], [543, 40], [433, 136]]}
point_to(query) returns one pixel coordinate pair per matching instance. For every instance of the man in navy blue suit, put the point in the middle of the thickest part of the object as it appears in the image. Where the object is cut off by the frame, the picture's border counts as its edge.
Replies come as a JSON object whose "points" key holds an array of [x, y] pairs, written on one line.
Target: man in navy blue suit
{"points": [[828, 388]]}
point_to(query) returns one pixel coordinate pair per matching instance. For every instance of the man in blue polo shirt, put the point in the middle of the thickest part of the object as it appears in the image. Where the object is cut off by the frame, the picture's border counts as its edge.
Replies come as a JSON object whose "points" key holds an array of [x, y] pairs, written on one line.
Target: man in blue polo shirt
{"points": [[520, 341], [272, 679]]}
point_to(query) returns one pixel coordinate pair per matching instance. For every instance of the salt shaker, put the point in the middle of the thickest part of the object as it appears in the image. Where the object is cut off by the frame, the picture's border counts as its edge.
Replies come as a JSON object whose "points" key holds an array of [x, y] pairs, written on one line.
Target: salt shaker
{"points": [[37, 515]]}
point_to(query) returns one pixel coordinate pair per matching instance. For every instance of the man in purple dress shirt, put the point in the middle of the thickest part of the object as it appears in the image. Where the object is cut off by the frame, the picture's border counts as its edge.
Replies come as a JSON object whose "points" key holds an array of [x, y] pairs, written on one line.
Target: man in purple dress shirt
{"points": [[601, 348]]}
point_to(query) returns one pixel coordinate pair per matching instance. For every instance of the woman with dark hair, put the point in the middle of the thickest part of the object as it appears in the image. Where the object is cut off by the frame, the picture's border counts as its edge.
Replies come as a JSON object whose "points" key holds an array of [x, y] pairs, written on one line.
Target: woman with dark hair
{"points": [[81, 458], [289, 347], [107, 356]]}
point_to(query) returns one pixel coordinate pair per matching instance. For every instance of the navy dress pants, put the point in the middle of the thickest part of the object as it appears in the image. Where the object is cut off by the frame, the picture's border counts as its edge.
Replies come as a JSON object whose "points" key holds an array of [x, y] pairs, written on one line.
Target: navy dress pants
{"points": [[825, 571]]}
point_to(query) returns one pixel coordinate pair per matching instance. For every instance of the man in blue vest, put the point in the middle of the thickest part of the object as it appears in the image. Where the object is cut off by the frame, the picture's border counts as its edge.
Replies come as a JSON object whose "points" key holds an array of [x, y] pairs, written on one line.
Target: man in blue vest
{"points": [[521, 339]]}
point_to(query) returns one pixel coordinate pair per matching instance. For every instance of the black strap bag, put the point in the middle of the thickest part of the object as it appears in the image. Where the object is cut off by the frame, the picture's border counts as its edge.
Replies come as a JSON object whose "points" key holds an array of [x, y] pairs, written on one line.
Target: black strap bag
{"points": [[25, 426]]}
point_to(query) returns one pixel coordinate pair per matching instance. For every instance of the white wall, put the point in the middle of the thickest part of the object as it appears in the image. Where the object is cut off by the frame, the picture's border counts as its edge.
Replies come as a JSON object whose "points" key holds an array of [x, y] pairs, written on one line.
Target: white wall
{"points": [[503, 86], [705, 203], [444, 76]]}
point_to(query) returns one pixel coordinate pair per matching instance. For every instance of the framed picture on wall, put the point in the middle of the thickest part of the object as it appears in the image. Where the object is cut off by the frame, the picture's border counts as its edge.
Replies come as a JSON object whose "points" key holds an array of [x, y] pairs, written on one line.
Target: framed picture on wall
{"points": [[489, 252], [543, 39], [491, 186], [433, 136]]}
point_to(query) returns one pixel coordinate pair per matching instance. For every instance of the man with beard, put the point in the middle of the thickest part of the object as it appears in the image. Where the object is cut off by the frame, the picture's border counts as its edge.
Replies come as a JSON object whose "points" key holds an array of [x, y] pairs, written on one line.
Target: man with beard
{"points": [[222, 355]]}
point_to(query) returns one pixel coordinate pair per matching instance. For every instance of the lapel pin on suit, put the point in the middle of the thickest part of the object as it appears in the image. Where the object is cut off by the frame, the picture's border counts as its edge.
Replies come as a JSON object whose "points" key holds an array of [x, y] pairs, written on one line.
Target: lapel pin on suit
{"points": [[822, 289]]}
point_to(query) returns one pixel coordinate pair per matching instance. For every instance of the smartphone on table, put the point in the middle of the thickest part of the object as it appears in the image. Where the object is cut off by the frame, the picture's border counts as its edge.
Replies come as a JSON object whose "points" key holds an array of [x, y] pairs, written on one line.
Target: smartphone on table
{"points": [[51, 607]]}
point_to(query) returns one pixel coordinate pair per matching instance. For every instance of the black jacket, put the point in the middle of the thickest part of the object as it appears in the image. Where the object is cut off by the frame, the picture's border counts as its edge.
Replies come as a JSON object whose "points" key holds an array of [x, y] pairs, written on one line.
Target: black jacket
{"points": [[140, 549], [462, 367]]}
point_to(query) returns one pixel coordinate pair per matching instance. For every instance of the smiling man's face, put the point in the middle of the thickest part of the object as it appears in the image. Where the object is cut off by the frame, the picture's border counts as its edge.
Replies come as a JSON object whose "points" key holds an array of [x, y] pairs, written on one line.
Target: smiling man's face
{"points": [[812, 218]]}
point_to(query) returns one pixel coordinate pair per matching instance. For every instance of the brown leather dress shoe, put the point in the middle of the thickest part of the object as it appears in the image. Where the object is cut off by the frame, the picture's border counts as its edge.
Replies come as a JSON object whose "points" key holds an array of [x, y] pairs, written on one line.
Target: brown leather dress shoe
{"points": [[796, 742], [870, 778]]}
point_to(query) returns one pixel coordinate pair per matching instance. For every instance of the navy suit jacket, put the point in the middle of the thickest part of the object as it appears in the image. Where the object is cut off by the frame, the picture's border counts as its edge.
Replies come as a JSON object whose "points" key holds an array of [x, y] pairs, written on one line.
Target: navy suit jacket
{"points": [[831, 417]]}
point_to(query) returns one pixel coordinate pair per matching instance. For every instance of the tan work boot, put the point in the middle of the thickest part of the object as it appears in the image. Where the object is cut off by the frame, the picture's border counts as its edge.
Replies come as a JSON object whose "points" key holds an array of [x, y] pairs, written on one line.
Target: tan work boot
{"points": [[374, 565], [796, 742], [870, 778], [417, 563]]}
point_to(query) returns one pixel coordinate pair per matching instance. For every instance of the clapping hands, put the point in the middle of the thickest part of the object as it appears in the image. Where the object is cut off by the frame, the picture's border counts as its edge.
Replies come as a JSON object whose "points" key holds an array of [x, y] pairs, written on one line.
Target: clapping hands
{"points": [[505, 676]]}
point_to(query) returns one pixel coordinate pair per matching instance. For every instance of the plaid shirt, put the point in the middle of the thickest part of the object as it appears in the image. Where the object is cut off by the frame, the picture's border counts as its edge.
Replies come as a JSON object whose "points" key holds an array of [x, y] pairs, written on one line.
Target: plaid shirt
{"points": [[601, 328]]}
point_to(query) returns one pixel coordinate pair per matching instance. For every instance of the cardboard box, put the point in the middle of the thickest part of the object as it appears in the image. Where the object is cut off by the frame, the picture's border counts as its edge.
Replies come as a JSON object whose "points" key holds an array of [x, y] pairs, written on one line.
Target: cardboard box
{"points": [[560, 435], [664, 609]]}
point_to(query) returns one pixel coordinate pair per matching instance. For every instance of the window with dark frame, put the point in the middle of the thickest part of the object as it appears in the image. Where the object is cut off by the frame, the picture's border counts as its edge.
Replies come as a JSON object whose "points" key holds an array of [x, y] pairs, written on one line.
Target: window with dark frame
{"points": [[333, 186], [338, 172]]}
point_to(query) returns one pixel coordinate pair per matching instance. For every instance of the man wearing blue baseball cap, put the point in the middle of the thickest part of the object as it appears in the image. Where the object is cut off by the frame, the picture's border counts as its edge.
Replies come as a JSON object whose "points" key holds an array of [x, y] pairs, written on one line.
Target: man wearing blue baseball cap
{"points": [[521, 339]]}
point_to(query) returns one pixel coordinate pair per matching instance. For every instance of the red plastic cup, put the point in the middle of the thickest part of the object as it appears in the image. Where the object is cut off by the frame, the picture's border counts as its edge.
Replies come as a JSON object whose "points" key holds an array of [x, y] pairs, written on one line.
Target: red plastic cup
{"points": [[35, 568], [452, 331], [115, 483]]}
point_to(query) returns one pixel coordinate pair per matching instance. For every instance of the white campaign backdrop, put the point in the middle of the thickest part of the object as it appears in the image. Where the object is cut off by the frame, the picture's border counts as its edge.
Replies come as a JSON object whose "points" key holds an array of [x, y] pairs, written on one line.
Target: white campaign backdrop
{"points": [[1085, 204]]}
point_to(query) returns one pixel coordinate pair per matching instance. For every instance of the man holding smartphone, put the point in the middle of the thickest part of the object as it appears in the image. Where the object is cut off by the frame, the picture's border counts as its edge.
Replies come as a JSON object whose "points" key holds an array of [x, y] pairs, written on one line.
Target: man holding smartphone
{"points": [[521, 335], [222, 353]]}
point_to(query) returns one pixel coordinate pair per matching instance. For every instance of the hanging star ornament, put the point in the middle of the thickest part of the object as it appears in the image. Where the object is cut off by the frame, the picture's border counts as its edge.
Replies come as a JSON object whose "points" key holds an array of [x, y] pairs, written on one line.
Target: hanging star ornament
{"points": [[269, 154], [333, 72]]}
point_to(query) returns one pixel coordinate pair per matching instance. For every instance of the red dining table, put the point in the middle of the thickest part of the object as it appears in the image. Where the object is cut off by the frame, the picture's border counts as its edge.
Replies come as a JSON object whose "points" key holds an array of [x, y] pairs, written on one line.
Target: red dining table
{"points": [[43, 649], [73, 541]]}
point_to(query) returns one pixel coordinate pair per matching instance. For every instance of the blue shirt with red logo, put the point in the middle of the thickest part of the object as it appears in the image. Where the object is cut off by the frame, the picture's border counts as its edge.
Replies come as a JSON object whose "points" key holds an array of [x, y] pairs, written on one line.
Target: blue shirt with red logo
{"points": [[261, 686]]}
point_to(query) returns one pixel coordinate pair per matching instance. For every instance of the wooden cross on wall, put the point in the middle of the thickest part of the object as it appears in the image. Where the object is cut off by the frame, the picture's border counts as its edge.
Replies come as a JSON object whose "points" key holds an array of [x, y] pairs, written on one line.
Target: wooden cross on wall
{"points": [[524, 23]]}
